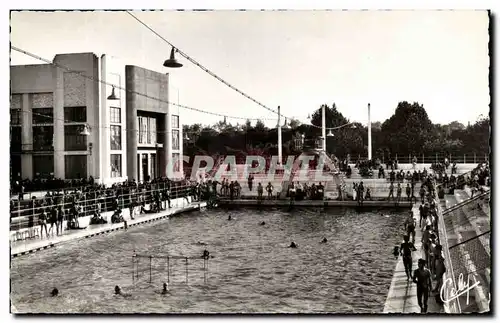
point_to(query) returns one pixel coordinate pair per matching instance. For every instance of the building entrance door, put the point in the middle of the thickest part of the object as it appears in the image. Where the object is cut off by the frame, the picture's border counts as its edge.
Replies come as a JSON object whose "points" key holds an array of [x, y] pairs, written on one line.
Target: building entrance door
{"points": [[145, 167]]}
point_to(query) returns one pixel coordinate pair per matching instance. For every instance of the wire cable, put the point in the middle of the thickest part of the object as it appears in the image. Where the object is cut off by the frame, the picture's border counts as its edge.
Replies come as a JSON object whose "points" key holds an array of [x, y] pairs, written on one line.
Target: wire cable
{"points": [[206, 70], [97, 80]]}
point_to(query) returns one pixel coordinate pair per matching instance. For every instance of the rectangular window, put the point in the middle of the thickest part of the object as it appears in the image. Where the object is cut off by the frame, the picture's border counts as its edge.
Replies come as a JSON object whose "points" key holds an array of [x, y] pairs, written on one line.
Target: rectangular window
{"points": [[153, 166], [176, 160], [15, 116], [43, 138], [73, 139], [42, 116], [148, 130], [15, 139], [75, 166], [116, 165], [138, 128], [175, 122], [175, 139], [116, 137], [143, 130], [43, 166], [115, 115], [75, 114], [152, 129]]}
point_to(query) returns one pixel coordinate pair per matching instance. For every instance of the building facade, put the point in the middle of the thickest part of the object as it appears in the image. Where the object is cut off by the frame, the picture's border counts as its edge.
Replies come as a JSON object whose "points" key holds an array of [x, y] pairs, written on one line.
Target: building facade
{"points": [[52, 106], [155, 136]]}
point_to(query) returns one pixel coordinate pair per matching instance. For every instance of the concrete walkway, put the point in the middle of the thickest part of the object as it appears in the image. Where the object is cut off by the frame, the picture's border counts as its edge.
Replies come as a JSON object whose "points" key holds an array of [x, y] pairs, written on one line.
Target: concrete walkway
{"points": [[402, 296], [29, 246]]}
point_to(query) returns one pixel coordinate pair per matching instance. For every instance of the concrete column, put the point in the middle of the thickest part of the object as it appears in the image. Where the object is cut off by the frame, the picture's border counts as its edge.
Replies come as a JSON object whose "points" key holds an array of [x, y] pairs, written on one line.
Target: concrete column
{"points": [[26, 137], [131, 133], [167, 146], [323, 127], [369, 134], [181, 147], [59, 123], [280, 142]]}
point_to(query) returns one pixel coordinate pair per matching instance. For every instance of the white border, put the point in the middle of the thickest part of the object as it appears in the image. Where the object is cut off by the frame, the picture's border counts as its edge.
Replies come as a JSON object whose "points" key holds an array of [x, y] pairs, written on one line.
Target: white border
{"points": [[186, 4]]}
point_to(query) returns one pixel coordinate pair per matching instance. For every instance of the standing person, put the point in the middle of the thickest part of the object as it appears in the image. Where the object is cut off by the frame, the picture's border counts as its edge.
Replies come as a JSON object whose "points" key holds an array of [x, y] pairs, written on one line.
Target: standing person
{"points": [[269, 189], [60, 219], [440, 268], [405, 251], [250, 182], [260, 191], [422, 277], [408, 192], [42, 218], [410, 226], [399, 192], [426, 239], [53, 220], [391, 191]]}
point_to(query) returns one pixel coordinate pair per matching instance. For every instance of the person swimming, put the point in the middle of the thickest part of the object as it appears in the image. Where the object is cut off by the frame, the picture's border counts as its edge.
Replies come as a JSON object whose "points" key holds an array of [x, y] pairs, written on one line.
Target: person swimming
{"points": [[293, 245], [206, 254], [201, 243], [324, 240], [229, 218], [395, 252], [165, 289], [118, 291], [54, 292], [263, 223]]}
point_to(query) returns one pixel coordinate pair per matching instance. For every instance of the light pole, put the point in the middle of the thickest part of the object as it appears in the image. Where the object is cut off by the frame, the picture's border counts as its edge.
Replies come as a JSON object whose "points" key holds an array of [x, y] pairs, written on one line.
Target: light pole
{"points": [[280, 143], [323, 127], [369, 135]]}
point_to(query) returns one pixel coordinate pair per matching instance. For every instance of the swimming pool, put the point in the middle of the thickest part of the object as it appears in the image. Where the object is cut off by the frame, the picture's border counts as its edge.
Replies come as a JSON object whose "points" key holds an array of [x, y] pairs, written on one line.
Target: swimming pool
{"points": [[253, 270]]}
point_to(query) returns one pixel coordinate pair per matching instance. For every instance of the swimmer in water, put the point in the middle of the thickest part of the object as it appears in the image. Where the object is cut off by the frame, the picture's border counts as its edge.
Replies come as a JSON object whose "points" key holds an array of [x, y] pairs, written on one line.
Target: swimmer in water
{"points": [[324, 240], [293, 245], [118, 291], [201, 243], [54, 292], [229, 218], [165, 289], [263, 223]]}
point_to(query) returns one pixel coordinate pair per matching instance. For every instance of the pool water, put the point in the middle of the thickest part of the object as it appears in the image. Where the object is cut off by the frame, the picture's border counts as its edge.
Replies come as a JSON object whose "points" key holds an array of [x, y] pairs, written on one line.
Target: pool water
{"points": [[252, 269]]}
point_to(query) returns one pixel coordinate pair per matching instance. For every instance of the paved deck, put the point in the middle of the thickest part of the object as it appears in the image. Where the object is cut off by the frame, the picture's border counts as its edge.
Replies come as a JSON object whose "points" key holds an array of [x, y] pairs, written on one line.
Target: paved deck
{"points": [[402, 296], [327, 203], [29, 246]]}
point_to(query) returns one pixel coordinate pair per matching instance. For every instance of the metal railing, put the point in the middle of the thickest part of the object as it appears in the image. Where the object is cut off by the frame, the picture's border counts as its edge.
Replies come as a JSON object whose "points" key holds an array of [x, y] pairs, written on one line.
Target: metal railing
{"points": [[468, 230], [28, 216], [429, 159]]}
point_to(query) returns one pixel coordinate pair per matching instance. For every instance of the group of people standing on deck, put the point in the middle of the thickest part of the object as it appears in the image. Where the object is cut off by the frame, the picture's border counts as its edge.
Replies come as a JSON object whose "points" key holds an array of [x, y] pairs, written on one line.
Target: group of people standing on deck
{"points": [[431, 265]]}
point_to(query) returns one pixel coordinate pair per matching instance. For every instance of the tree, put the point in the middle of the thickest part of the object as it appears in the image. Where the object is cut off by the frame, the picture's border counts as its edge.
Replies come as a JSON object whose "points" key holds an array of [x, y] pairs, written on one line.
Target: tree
{"points": [[408, 129]]}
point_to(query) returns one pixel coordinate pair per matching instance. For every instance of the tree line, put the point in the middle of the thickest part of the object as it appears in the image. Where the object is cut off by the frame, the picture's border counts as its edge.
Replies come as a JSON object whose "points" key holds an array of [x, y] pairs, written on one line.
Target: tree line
{"points": [[409, 131]]}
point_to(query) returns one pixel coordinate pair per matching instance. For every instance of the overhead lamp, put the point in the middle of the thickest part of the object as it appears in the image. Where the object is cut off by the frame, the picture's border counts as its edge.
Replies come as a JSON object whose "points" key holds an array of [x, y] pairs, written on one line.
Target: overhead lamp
{"points": [[330, 134], [85, 131], [354, 126], [113, 96], [172, 62]]}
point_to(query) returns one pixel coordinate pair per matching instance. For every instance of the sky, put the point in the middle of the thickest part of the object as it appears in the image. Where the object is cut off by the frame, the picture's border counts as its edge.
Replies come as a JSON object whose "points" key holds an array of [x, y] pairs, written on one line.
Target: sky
{"points": [[295, 59]]}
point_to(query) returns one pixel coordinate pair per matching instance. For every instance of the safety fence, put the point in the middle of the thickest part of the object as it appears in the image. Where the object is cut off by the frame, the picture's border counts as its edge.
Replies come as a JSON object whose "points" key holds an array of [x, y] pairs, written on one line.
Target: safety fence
{"points": [[467, 228], [26, 214], [428, 159]]}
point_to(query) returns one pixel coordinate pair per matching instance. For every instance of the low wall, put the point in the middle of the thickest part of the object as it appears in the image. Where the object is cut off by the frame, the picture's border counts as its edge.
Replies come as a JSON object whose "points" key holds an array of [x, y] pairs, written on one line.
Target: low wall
{"points": [[85, 220]]}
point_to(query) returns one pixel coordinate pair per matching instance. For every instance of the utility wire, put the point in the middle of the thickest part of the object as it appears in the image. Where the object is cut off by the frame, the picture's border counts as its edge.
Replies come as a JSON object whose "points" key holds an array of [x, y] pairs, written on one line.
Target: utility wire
{"points": [[128, 90], [203, 68]]}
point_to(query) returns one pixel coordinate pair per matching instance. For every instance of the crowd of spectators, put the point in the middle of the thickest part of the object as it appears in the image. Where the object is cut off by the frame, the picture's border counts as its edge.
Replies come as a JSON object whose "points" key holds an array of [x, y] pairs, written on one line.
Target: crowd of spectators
{"points": [[95, 199]]}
